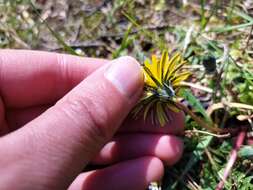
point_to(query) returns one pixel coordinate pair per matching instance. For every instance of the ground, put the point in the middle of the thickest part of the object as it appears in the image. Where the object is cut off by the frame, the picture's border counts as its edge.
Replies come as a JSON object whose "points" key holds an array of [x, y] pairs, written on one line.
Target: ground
{"points": [[216, 39]]}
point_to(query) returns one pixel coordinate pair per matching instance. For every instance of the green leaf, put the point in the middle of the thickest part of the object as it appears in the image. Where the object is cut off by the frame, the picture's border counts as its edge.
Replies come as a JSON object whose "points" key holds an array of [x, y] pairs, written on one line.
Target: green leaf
{"points": [[195, 157], [194, 102], [246, 152]]}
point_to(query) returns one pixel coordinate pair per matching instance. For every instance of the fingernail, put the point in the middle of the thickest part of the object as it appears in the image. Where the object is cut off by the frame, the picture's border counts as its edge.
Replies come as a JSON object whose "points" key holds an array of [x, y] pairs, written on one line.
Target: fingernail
{"points": [[126, 75]]}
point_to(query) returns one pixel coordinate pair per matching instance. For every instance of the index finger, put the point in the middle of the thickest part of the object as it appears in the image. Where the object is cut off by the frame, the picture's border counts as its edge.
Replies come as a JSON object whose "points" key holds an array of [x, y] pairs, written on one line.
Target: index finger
{"points": [[30, 78]]}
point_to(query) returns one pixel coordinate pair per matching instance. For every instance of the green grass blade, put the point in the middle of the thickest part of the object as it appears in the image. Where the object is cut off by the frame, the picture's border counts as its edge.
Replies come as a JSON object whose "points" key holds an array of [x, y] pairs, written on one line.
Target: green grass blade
{"points": [[194, 102], [243, 15], [231, 28], [59, 39], [203, 18], [124, 44]]}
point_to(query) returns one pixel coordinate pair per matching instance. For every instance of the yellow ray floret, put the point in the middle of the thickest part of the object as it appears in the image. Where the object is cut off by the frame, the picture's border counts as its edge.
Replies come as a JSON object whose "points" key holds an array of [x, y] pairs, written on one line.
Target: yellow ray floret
{"points": [[163, 79], [164, 70]]}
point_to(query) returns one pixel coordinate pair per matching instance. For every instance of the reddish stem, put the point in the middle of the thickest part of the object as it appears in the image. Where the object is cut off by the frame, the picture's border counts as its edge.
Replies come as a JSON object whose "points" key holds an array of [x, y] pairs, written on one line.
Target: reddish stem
{"points": [[233, 156]]}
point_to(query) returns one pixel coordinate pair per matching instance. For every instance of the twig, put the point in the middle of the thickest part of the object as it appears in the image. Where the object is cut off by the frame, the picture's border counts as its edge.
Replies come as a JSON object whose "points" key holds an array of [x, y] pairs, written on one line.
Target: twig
{"points": [[248, 38], [192, 184], [228, 104], [187, 39], [5, 28], [207, 133], [233, 156], [197, 86], [209, 156], [245, 117], [82, 45]]}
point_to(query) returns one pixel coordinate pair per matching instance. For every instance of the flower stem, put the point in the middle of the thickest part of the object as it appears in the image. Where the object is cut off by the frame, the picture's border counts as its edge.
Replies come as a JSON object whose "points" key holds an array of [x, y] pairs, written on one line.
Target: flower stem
{"points": [[210, 126], [198, 120]]}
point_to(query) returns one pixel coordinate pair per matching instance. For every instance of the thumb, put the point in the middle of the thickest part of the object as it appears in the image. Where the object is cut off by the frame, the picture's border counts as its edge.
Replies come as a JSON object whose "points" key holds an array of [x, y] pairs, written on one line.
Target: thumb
{"points": [[60, 142]]}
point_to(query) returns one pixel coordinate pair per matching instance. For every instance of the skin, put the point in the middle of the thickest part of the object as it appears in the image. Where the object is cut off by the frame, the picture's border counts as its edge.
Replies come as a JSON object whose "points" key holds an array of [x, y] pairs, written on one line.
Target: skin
{"points": [[59, 113]]}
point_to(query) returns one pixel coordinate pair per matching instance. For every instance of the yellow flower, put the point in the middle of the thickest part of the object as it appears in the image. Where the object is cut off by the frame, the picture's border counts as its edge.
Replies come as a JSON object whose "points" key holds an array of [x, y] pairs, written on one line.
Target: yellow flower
{"points": [[163, 79]]}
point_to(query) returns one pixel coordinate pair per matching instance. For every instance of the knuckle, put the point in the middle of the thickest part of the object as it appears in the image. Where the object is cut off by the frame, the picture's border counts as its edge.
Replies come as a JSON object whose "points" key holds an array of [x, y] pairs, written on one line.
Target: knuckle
{"points": [[61, 59], [91, 113], [63, 65]]}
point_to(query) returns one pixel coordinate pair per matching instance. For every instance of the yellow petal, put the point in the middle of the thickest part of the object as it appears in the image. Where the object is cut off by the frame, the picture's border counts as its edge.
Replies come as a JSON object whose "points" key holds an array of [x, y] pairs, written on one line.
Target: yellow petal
{"points": [[171, 65], [180, 77], [162, 117], [162, 64], [148, 108], [148, 79]]}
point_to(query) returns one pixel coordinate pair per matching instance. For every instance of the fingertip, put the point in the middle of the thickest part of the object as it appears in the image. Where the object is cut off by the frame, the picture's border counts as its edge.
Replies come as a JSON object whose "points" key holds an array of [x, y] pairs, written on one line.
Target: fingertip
{"points": [[169, 149], [126, 76], [108, 154], [133, 174], [155, 170]]}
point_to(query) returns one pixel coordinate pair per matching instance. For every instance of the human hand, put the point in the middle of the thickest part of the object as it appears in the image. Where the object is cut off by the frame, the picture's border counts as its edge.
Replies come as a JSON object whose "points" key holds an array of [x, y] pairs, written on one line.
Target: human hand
{"points": [[59, 113]]}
